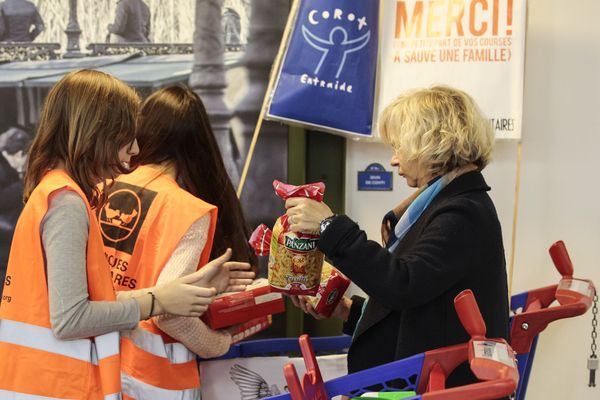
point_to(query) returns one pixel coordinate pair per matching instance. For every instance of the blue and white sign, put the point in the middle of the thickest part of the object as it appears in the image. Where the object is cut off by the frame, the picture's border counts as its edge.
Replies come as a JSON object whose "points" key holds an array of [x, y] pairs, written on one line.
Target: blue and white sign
{"points": [[327, 78], [375, 177]]}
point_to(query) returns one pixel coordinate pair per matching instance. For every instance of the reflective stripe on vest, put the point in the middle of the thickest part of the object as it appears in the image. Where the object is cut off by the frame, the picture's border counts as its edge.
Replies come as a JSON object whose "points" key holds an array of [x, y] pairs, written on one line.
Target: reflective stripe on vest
{"points": [[58, 356], [40, 338], [136, 389], [20, 396], [170, 369], [176, 353], [6, 395]]}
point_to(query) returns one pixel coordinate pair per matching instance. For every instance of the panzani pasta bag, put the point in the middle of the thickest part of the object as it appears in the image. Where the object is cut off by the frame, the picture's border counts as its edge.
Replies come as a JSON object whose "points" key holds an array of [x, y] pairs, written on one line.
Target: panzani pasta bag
{"points": [[294, 262]]}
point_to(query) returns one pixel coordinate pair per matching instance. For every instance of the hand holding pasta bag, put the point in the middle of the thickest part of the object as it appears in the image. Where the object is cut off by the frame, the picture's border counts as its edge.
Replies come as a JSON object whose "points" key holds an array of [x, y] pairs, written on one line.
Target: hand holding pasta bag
{"points": [[295, 263]]}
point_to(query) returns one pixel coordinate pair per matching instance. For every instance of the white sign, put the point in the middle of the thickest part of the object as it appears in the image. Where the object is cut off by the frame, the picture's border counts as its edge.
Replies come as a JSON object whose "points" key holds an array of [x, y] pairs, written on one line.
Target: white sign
{"points": [[477, 46]]}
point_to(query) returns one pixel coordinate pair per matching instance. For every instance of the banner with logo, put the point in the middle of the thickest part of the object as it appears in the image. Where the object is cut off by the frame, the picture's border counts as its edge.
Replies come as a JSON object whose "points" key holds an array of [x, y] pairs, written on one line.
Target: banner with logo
{"points": [[327, 78], [474, 45]]}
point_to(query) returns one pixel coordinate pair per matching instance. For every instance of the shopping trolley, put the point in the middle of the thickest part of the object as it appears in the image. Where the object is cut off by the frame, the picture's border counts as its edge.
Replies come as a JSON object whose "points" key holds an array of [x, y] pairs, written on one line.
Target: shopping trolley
{"points": [[491, 360], [533, 310], [423, 373]]}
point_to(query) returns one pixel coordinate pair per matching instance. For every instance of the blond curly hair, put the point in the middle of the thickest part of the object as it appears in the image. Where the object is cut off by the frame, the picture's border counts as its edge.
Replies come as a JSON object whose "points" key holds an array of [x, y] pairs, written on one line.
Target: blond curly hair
{"points": [[440, 128]]}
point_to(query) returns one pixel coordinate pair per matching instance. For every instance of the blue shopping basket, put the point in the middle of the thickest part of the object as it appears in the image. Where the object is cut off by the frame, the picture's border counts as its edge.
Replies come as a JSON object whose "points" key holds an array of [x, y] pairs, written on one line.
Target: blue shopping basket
{"points": [[285, 346], [491, 360]]}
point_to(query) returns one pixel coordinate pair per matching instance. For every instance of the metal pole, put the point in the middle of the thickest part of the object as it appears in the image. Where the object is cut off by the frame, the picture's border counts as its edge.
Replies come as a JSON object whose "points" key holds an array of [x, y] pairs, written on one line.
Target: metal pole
{"points": [[73, 33], [208, 76]]}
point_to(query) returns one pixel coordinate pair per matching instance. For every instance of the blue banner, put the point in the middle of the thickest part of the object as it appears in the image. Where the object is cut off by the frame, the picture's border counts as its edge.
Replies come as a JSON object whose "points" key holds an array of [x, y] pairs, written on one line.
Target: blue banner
{"points": [[327, 78]]}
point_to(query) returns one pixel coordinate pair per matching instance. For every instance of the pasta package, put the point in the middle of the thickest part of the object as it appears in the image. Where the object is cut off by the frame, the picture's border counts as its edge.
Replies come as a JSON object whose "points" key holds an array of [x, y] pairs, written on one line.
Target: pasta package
{"points": [[295, 263], [331, 290]]}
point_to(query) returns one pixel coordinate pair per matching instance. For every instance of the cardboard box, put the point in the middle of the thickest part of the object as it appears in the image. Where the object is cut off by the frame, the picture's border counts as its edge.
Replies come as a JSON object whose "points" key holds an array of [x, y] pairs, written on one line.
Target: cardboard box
{"points": [[251, 327], [256, 301]]}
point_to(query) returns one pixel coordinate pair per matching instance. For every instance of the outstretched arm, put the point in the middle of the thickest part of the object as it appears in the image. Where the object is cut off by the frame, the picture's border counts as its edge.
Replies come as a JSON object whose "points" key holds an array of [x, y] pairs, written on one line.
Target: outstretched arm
{"points": [[441, 257], [191, 332], [118, 26], [38, 25]]}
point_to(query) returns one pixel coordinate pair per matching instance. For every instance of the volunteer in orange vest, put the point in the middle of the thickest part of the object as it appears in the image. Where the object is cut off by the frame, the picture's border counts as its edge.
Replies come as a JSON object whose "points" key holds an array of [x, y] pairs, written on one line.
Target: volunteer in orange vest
{"points": [[59, 317], [157, 226]]}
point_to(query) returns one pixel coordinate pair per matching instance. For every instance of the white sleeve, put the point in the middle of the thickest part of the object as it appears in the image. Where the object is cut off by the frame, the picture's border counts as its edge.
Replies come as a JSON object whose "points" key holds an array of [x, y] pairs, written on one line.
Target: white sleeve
{"points": [[191, 332]]}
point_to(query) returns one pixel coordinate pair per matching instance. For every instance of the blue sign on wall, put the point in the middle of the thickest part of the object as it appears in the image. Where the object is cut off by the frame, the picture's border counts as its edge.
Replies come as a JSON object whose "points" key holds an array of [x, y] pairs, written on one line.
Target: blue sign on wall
{"points": [[327, 80], [375, 177]]}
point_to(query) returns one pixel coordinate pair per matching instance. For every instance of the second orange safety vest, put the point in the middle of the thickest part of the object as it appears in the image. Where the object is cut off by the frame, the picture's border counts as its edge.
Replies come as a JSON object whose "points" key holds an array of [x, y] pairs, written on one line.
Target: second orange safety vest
{"points": [[33, 362], [143, 220]]}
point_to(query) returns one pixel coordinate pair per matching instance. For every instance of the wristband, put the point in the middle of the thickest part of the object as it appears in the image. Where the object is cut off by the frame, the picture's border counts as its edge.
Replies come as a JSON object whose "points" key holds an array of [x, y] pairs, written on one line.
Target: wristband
{"points": [[151, 304]]}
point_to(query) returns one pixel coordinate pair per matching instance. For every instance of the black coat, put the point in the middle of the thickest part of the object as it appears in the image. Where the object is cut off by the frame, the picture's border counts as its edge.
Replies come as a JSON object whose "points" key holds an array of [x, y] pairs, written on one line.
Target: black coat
{"points": [[456, 244], [132, 21]]}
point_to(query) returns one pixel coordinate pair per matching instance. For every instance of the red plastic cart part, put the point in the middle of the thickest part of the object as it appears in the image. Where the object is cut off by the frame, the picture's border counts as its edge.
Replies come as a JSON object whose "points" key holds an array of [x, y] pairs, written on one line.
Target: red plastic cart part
{"points": [[439, 363], [501, 377], [469, 314], [573, 295], [560, 258], [293, 383], [476, 391], [312, 386]]}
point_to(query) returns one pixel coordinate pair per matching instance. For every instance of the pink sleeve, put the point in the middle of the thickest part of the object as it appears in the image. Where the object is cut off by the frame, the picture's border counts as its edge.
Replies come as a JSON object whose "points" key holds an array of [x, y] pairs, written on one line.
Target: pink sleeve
{"points": [[191, 332]]}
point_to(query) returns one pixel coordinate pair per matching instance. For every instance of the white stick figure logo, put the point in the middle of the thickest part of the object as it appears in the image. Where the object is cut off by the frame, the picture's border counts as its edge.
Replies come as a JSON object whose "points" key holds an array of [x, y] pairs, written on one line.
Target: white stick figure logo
{"points": [[336, 47]]}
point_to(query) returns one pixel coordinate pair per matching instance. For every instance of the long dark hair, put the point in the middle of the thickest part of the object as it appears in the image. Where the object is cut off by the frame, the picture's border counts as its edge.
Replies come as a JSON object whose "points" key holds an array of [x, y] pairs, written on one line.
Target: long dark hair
{"points": [[174, 127]]}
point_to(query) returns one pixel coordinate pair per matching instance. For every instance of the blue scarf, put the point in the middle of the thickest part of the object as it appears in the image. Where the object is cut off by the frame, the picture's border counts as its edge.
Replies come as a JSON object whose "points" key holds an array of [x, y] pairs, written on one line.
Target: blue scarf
{"points": [[414, 210]]}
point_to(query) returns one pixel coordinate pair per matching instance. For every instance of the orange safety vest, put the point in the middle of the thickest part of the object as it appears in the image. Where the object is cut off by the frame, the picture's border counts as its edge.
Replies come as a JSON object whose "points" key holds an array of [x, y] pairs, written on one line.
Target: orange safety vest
{"points": [[143, 220], [32, 360]]}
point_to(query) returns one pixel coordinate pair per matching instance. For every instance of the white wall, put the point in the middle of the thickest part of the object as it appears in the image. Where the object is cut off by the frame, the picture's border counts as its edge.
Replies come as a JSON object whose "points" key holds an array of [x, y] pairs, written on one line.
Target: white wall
{"points": [[559, 188]]}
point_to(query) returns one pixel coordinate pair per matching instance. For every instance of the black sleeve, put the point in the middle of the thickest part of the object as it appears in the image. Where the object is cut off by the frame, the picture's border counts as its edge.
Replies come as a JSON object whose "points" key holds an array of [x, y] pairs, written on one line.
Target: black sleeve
{"points": [[147, 29], [38, 24], [120, 22], [439, 258], [355, 313], [2, 24]]}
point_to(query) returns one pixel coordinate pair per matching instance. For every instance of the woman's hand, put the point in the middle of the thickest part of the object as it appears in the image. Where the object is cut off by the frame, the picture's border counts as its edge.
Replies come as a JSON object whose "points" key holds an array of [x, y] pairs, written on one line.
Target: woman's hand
{"points": [[180, 298], [303, 303], [234, 277], [305, 215], [341, 310], [190, 295], [225, 275]]}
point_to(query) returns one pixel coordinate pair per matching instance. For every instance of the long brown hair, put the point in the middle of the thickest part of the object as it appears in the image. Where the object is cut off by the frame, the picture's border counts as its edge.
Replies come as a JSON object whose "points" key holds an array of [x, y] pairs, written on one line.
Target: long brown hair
{"points": [[87, 117], [174, 127]]}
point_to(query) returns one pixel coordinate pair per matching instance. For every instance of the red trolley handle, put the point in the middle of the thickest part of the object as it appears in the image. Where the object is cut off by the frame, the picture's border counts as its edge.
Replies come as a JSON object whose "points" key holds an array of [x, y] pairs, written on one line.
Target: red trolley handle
{"points": [[312, 386], [497, 370], [573, 295]]}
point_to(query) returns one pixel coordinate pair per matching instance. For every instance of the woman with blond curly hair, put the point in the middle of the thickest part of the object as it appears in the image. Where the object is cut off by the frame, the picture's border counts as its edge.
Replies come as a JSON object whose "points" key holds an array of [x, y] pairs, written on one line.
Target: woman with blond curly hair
{"points": [[443, 239]]}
